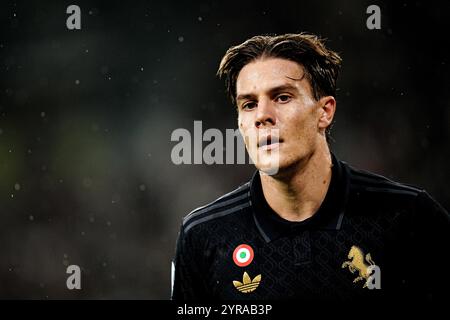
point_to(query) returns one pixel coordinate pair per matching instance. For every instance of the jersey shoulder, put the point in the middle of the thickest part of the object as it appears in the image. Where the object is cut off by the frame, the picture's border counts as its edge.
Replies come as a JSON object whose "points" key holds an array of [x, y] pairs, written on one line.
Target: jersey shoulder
{"points": [[228, 204], [362, 180]]}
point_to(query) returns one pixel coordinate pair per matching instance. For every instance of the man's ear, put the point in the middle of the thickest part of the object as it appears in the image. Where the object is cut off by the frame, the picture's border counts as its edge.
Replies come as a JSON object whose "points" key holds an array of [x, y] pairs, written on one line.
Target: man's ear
{"points": [[327, 107]]}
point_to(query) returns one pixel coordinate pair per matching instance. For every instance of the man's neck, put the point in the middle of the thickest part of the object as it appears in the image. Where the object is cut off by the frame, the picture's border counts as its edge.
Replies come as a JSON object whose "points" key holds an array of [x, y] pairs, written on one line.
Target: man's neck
{"points": [[298, 195]]}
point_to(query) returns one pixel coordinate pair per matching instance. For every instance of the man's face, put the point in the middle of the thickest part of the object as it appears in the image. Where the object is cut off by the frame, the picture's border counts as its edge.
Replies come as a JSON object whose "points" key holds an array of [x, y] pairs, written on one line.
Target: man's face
{"points": [[275, 99]]}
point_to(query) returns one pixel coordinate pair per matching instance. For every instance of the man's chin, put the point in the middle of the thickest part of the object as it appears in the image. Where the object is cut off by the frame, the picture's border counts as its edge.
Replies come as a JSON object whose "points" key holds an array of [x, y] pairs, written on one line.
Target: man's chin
{"points": [[268, 165], [276, 168]]}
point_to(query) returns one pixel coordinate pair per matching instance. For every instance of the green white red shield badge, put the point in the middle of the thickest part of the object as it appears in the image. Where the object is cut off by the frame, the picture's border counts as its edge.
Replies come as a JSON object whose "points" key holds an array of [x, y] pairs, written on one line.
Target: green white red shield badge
{"points": [[243, 255]]}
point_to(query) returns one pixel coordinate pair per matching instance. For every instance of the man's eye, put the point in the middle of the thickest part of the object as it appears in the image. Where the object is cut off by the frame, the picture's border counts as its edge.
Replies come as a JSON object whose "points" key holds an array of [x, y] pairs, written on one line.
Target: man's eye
{"points": [[249, 105], [283, 98]]}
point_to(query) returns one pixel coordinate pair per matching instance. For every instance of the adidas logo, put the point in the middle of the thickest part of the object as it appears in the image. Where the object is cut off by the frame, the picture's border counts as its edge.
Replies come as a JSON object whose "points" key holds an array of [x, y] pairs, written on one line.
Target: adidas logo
{"points": [[247, 285]]}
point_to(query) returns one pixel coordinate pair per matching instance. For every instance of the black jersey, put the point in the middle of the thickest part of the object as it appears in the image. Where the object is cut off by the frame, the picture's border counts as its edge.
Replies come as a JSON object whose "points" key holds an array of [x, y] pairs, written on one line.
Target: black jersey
{"points": [[370, 238]]}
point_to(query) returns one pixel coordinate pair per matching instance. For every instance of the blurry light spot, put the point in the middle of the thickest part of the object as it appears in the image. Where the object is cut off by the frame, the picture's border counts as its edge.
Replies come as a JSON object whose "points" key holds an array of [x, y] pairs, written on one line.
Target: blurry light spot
{"points": [[142, 68], [180, 39], [42, 114], [200, 19], [91, 219], [77, 82], [108, 223], [142, 187], [31, 217], [17, 186], [87, 182], [29, 151]]}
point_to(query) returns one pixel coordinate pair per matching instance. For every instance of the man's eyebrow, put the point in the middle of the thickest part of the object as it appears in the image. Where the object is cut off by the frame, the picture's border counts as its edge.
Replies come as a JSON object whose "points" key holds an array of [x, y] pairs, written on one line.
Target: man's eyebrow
{"points": [[245, 96], [271, 91], [284, 87]]}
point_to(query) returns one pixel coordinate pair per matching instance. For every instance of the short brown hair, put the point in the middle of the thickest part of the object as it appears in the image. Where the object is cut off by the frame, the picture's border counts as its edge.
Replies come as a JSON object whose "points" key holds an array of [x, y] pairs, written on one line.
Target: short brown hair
{"points": [[321, 64]]}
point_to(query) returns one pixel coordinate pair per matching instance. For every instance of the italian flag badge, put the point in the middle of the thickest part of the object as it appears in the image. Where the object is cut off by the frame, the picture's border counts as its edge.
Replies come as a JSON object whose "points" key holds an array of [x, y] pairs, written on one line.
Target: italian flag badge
{"points": [[243, 255]]}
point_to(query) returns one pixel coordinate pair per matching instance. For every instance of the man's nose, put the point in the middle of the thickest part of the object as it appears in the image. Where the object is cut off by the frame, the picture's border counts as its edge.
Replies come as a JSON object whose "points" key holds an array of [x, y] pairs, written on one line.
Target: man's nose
{"points": [[265, 114]]}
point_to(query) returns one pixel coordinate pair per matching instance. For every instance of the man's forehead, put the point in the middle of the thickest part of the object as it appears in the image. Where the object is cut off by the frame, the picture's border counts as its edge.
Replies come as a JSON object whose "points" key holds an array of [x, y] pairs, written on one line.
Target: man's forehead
{"points": [[268, 74]]}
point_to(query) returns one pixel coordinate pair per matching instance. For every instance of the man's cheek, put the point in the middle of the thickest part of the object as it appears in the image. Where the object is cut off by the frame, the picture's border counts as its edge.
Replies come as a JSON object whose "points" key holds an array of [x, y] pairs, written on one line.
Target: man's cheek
{"points": [[240, 122], [251, 142], [243, 131]]}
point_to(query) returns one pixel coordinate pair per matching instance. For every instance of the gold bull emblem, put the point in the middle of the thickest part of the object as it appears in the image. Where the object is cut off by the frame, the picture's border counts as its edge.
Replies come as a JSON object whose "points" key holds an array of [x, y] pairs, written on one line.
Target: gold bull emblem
{"points": [[357, 263]]}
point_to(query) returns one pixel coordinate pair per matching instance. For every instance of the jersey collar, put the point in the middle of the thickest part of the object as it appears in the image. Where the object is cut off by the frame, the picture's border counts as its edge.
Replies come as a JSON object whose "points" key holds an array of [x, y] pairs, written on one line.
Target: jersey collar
{"points": [[328, 217]]}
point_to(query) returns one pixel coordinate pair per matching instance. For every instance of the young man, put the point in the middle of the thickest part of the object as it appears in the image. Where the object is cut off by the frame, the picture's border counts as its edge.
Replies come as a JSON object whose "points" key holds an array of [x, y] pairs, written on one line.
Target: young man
{"points": [[307, 225]]}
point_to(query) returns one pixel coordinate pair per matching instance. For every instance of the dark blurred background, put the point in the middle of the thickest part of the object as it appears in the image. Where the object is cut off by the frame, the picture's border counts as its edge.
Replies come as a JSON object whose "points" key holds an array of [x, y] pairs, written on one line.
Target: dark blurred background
{"points": [[86, 118]]}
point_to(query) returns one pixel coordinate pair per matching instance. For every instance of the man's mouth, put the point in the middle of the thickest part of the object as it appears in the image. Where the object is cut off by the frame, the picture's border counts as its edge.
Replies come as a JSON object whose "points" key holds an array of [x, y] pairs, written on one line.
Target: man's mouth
{"points": [[269, 142]]}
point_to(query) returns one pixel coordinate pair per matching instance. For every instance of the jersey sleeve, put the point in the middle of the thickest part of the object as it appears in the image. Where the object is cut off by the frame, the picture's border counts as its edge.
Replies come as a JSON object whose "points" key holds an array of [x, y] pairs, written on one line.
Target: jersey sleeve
{"points": [[432, 232], [187, 275]]}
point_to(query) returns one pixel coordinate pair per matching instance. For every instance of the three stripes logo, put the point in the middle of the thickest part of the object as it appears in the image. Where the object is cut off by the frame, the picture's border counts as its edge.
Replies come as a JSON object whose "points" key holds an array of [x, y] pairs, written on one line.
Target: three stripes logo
{"points": [[242, 256], [247, 285]]}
